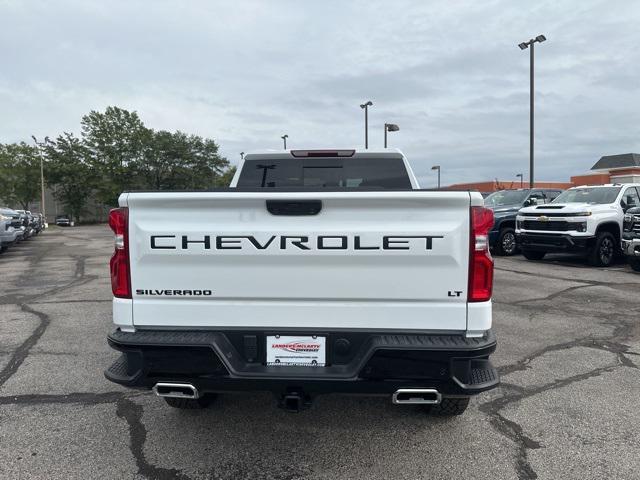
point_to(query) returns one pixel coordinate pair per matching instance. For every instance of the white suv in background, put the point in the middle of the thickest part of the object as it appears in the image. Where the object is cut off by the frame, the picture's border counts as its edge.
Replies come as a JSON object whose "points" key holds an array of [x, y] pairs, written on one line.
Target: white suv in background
{"points": [[586, 219]]}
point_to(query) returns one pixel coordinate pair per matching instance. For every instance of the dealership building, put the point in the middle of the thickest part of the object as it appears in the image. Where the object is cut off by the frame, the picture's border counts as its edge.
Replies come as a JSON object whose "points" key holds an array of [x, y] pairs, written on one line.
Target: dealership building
{"points": [[623, 168]]}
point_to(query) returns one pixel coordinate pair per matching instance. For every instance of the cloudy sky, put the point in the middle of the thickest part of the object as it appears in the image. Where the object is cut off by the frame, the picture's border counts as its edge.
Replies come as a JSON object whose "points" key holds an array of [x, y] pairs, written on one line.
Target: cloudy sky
{"points": [[245, 72]]}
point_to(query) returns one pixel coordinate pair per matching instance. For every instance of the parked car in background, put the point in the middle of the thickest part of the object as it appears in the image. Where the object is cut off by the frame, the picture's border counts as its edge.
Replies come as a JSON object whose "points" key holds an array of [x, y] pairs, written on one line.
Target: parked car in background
{"points": [[505, 205], [26, 224], [63, 220], [586, 220], [34, 223], [631, 237], [43, 221], [9, 228], [16, 222], [39, 219], [18, 225]]}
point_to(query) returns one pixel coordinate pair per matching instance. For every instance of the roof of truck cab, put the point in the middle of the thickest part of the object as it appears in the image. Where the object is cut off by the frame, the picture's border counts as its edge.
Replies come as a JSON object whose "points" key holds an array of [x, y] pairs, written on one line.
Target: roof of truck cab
{"points": [[360, 153], [606, 185]]}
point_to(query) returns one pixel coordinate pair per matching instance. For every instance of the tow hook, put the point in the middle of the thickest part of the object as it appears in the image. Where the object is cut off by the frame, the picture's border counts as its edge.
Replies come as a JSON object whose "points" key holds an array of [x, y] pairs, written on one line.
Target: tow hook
{"points": [[294, 401]]}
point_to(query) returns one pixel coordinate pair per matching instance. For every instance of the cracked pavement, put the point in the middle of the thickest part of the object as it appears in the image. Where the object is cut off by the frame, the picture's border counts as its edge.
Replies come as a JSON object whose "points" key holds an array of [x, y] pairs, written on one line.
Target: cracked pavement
{"points": [[568, 353]]}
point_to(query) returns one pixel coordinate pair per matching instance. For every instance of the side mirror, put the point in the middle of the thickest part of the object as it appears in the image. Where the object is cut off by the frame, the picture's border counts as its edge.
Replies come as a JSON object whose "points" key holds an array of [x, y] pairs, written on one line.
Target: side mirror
{"points": [[531, 201]]}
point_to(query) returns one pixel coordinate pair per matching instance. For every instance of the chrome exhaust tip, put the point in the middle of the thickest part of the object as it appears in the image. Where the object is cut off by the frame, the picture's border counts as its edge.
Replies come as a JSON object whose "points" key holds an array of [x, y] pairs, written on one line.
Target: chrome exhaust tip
{"points": [[176, 390], [416, 396]]}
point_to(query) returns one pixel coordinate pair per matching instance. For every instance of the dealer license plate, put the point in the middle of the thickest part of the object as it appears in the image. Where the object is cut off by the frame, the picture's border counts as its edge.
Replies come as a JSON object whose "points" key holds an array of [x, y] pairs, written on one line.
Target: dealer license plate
{"points": [[296, 350]]}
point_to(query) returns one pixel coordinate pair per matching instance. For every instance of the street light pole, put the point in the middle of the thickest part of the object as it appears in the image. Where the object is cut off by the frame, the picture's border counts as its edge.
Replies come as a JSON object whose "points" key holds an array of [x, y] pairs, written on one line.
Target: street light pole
{"points": [[437, 167], [42, 207], [523, 46], [241, 155], [389, 127], [366, 106], [520, 176], [284, 139], [531, 117]]}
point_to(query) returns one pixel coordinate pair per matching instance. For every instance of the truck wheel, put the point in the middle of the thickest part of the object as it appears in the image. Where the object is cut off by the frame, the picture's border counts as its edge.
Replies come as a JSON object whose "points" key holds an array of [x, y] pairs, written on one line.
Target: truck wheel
{"points": [[449, 407], [507, 242], [603, 251], [190, 403], [635, 263], [533, 254]]}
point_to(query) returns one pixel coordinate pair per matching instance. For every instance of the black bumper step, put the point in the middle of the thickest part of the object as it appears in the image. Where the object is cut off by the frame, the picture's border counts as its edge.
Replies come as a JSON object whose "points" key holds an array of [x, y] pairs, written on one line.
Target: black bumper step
{"points": [[122, 372]]}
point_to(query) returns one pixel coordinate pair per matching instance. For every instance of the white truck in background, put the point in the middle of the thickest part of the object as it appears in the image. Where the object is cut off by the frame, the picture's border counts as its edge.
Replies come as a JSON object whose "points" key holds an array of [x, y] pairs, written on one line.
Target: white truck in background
{"points": [[315, 272], [585, 220]]}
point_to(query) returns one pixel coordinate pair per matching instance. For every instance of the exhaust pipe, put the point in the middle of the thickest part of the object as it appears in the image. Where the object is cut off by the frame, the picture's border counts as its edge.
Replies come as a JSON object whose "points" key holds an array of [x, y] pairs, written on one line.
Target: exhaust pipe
{"points": [[416, 396], [176, 390]]}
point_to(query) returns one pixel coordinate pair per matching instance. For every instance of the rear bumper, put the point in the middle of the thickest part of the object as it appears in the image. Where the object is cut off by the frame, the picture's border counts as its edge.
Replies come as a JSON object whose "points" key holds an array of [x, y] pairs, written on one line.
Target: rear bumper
{"points": [[554, 242], [371, 363]]}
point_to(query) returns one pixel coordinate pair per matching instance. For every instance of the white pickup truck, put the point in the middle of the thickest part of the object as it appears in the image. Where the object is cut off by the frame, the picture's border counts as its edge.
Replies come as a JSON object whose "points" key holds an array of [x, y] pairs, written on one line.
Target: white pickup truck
{"points": [[315, 272], [586, 220]]}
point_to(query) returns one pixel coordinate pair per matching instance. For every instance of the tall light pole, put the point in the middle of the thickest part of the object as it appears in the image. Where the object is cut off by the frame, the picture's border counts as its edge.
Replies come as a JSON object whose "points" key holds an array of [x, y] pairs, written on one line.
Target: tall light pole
{"points": [[42, 208], [437, 167], [524, 46], [366, 106], [284, 139], [389, 127], [521, 182]]}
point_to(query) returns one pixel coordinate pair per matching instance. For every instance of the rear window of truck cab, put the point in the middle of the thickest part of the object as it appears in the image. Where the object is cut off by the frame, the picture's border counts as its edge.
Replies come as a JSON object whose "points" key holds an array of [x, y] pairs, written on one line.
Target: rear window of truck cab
{"points": [[381, 173]]}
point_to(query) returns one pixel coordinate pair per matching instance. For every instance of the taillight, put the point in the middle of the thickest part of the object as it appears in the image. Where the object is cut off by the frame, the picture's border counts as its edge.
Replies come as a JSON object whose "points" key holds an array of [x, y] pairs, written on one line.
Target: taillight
{"points": [[480, 261], [120, 275]]}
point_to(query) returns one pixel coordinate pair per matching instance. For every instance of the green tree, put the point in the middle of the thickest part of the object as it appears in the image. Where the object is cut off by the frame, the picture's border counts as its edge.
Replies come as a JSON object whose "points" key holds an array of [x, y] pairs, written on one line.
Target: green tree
{"points": [[19, 173], [224, 180], [205, 162], [70, 173], [116, 140], [177, 161], [115, 152]]}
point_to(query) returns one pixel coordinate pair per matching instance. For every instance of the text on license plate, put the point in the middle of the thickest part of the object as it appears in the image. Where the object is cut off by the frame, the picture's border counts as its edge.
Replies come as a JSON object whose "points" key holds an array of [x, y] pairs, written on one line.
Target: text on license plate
{"points": [[296, 350]]}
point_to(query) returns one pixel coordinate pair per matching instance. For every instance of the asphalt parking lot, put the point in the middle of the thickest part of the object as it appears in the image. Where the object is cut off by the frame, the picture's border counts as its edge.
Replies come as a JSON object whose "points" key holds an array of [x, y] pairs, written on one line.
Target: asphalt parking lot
{"points": [[568, 407]]}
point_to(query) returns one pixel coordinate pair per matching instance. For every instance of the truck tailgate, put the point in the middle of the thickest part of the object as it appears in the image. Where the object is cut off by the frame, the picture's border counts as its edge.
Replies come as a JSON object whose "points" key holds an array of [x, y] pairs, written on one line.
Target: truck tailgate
{"points": [[369, 260]]}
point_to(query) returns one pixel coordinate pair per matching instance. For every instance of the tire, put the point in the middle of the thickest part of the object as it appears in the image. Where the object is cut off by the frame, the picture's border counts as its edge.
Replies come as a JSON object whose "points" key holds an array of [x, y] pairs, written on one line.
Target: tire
{"points": [[533, 254], [603, 252], [506, 245], [635, 264], [449, 407], [190, 403]]}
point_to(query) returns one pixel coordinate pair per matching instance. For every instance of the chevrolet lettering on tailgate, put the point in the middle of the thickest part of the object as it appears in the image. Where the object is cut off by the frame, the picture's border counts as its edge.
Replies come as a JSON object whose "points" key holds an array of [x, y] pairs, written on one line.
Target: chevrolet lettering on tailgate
{"points": [[284, 242]]}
